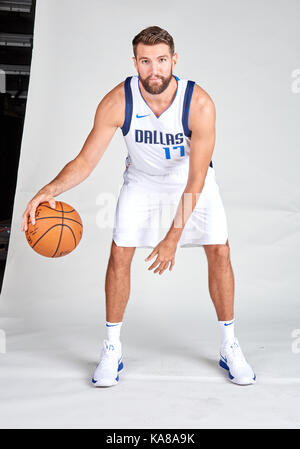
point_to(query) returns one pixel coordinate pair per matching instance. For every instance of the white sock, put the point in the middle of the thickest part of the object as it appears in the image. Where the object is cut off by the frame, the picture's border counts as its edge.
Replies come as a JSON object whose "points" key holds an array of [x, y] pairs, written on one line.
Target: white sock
{"points": [[113, 332], [227, 329]]}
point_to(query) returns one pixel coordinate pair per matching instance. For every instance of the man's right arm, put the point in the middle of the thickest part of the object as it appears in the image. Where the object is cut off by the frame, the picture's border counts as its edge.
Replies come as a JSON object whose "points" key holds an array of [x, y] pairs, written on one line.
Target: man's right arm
{"points": [[109, 116]]}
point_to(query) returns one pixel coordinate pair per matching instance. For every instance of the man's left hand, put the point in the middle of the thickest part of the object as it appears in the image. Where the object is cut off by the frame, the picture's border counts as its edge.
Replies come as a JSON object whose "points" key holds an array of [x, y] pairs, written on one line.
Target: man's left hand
{"points": [[165, 252]]}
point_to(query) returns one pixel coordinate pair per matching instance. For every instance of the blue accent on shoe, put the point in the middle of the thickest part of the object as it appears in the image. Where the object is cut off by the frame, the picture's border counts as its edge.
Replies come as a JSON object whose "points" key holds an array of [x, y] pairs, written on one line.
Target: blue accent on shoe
{"points": [[120, 367], [225, 366], [224, 358]]}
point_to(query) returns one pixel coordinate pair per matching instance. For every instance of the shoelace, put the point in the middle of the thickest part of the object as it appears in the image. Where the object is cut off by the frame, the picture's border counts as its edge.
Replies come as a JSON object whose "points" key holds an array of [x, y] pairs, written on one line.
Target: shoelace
{"points": [[108, 349], [236, 356]]}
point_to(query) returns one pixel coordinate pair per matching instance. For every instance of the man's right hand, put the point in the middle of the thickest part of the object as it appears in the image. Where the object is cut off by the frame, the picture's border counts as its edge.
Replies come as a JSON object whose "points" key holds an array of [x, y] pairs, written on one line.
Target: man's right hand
{"points": [[42, 196]]}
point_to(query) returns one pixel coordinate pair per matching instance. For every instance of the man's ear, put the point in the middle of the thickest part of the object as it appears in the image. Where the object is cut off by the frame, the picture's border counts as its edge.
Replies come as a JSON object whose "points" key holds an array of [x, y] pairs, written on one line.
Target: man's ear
{"points": [[134, 61], [174, 59]]}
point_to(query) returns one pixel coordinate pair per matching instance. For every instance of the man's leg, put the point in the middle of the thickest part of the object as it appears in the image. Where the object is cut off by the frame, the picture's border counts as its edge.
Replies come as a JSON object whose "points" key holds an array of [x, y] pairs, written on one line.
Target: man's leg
{"points": [[117, 289], [221, 288], [117, 282], [221, 280]]}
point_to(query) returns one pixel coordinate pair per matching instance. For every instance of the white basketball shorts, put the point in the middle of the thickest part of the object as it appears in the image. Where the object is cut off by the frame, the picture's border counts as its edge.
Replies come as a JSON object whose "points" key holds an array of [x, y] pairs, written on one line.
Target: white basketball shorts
{"points": [[147, 205]]}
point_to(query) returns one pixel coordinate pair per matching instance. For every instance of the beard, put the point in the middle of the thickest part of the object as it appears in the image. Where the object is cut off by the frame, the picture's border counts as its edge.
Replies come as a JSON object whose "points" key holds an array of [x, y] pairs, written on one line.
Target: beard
{"points": [[154, 87]]}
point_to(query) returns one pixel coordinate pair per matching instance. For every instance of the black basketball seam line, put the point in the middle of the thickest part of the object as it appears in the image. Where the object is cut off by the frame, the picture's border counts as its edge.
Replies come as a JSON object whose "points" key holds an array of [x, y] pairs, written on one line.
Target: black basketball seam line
{"points": [[59, 224], [66, 211], [66, 218], [62, 228], [67, 226]]}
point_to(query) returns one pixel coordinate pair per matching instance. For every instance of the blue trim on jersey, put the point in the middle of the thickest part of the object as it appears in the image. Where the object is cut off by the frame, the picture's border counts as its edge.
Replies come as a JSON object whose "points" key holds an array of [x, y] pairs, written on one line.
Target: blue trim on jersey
{"points": [[177, 79], [128, 106], [186, 110], [186, 107]]}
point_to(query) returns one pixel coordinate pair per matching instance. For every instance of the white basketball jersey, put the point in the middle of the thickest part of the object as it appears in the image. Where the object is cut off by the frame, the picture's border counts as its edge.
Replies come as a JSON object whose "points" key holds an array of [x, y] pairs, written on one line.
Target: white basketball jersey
{"points": [[157, 144]]}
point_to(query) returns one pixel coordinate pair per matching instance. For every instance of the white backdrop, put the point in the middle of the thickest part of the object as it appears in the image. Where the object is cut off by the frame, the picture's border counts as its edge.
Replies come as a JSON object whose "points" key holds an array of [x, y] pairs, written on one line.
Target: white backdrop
{"points": [[244, 53]]}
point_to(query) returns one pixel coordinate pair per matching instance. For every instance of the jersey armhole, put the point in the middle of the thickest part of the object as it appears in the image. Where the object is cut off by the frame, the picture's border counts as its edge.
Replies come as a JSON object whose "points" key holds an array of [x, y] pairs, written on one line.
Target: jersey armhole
{"points": [[186, 107], [128, 106]]}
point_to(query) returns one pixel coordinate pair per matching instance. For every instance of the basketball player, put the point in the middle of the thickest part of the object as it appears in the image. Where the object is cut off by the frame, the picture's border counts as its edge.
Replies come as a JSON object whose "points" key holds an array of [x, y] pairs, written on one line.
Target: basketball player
{"points": [[168, 124]]}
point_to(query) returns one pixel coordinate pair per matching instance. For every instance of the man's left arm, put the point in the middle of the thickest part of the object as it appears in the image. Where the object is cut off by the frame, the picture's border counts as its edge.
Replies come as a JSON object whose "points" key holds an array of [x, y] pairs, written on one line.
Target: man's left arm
{"points": [[202, 126], [202, 120]]}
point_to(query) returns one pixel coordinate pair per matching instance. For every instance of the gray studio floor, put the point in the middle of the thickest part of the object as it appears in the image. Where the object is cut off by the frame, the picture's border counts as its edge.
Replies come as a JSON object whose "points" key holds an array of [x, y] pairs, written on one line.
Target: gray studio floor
{"points": [[168, 381]]}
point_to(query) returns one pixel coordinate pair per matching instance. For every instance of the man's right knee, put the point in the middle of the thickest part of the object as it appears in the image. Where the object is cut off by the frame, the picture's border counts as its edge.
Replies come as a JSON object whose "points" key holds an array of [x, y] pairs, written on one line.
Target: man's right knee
{"points": [[121, 255]]}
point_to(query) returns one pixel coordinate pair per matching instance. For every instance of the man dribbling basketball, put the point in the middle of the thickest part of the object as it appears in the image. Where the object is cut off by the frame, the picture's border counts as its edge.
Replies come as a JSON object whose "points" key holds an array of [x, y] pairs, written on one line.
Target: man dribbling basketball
{"points": [[168, 124]]}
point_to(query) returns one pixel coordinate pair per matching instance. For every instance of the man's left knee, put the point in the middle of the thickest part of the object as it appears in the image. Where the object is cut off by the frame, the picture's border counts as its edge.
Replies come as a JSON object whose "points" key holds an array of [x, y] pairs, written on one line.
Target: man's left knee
{"points": [[220, 252]]}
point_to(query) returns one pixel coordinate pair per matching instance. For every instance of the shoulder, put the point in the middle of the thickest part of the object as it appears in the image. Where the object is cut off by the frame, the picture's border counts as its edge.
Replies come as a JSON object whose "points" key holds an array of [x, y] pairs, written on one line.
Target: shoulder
{"points": [[202, 107], [112, 105]]}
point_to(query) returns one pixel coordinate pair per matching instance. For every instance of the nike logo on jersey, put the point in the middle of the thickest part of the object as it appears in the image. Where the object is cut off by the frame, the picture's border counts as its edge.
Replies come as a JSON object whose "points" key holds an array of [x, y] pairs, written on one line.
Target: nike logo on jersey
{"points": [[141, 116]]}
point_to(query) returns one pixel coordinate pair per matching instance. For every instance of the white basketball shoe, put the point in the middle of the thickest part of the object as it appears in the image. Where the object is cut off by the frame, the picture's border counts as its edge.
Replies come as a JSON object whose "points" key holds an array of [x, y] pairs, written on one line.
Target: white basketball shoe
{"points": [[233, 360], [107, 371]]}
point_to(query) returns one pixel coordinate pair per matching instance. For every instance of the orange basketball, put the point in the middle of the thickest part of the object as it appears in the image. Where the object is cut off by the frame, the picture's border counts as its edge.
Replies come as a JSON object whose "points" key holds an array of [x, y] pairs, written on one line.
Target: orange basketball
{"points": [[56, 232]]}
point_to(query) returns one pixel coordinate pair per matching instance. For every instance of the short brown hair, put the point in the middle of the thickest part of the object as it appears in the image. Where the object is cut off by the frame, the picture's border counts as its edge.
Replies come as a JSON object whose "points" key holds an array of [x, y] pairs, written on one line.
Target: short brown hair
{"points": [[151, 36]]}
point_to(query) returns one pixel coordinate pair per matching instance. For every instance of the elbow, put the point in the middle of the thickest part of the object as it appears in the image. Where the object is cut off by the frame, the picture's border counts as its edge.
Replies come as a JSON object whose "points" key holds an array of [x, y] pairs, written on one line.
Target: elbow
{"points": [[82, 165]]}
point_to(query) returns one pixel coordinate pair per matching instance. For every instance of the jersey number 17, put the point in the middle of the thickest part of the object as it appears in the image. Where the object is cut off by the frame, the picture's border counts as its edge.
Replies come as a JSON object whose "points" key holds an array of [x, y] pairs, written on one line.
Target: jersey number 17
{"points": [[167, 150]]}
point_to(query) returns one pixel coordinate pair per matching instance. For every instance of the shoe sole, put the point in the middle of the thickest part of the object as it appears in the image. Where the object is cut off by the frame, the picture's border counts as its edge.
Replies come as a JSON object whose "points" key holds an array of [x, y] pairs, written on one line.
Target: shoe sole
{"points": [[98, 383], [226, 367]]}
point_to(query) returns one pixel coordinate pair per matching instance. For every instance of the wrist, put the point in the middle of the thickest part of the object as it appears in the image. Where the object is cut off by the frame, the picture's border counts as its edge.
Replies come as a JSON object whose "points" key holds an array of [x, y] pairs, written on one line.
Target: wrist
{"points": [[48, 190], [173, 235]]}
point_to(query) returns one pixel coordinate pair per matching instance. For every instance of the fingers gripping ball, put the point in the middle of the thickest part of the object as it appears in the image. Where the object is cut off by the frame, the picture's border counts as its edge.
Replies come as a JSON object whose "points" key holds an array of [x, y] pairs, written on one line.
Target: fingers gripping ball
{"points": [[56, 232]]}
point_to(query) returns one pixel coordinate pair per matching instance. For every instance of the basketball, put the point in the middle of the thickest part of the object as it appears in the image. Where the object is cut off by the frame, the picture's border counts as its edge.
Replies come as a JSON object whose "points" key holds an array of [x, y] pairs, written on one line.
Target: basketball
{"points": [[56, 232]]}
